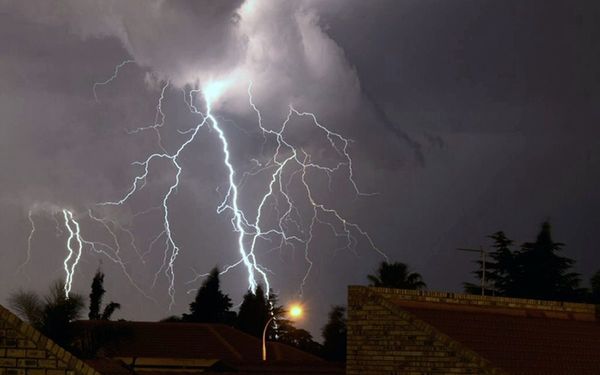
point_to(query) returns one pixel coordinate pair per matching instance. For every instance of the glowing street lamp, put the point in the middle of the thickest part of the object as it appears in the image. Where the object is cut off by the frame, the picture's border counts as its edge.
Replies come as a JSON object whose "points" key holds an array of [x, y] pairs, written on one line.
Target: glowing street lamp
{"points": [[294, 312]]}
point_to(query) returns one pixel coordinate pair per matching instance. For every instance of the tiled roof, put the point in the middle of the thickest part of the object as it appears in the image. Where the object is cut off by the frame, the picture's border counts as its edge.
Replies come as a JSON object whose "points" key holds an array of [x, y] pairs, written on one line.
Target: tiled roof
{"points": [[197, 341], [108, 366], [518, 336], [291, 369]]}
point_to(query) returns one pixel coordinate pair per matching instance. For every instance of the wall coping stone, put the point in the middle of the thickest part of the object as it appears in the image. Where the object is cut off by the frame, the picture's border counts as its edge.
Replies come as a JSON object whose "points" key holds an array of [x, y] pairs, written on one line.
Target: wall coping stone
{"points": [[479, 301]]}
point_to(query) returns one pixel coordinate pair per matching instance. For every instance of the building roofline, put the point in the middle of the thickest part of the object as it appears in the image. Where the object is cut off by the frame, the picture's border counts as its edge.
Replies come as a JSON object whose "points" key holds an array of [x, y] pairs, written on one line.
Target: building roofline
{"points": [[461, 299]]}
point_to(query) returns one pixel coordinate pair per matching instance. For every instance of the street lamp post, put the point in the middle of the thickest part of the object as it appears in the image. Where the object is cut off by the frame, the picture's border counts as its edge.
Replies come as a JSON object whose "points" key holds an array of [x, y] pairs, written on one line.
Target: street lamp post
{"points": [[295, 312], [264, 339]]}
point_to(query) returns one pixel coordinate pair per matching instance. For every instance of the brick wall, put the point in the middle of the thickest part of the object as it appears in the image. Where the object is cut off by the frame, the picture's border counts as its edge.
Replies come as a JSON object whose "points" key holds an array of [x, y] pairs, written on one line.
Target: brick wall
{"points": [[383, 339], [24, 351]]}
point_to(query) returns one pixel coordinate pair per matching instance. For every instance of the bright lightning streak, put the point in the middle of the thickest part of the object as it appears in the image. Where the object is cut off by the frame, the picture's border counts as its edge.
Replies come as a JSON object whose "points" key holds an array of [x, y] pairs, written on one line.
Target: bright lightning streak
{"points": [[73, 228], [286, 165], [171, 247], [211, 92], [75, 245], [248, 258], [303, 165]]}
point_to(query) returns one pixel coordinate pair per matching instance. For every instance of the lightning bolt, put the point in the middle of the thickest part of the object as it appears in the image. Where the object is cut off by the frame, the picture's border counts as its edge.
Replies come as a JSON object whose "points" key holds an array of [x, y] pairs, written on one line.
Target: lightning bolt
{"points": [[159, 119], [111, 78], [301, 165], [74, 247], [139, 182], [248, 258], [29, 239], [230, 202], [76, 242], [287, 168]]}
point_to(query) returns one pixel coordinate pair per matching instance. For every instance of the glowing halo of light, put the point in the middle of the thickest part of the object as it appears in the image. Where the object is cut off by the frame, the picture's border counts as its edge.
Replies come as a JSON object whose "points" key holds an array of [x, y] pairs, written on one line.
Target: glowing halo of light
{"points": [[296, 311]]}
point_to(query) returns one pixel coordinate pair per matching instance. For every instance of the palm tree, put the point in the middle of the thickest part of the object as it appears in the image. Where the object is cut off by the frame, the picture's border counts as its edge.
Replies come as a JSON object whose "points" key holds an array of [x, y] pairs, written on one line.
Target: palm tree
{"points": [[50, 314], [396, 275]]}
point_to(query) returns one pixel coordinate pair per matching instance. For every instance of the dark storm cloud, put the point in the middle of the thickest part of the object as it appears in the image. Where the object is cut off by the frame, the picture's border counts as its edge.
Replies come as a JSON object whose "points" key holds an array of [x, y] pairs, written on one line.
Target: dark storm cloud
{"points": [[512, 89], [203, 35], [467, 116], [466, 58]]}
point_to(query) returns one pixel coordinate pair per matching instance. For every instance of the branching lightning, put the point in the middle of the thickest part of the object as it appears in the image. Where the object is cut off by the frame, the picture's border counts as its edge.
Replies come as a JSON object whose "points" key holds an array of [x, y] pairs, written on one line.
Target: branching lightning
{"points": [[159, 119], [76, 243], [286, 172]]}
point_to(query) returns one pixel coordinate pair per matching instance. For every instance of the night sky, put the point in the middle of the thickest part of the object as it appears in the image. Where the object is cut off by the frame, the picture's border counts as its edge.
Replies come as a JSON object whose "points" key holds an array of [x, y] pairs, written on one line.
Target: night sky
{"points": [[466, 117]]}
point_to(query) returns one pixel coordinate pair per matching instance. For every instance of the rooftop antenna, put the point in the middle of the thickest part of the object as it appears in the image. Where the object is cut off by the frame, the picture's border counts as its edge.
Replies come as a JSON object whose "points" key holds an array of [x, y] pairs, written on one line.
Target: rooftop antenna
{"points": [[483, 254]]}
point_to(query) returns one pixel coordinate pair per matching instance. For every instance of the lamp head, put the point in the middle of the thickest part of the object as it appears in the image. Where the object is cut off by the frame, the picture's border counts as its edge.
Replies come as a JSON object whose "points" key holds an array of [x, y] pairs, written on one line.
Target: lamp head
{"points": [[295, 311]]}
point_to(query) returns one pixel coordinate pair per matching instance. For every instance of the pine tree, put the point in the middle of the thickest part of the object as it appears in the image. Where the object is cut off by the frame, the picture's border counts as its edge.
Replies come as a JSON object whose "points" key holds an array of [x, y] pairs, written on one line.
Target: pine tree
{"points": [[96, 296], [541, 273], [211, 305], [502, 268], [334, 334], [499, 268], [254, 312]]}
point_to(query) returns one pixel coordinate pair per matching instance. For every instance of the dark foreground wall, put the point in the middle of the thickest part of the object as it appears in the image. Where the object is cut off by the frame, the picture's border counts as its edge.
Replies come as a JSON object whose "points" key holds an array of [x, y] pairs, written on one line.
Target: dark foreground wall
{"points": [[394, 331], [24, 351]]}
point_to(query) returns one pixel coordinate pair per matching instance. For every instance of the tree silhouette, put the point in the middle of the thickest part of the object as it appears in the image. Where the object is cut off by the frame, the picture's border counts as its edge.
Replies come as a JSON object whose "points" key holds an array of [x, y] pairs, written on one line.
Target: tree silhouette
{"points": [[543, 274], [254, 312], [396, 275], [595, 284], [300, 338], [211, 305], [50, 314], [334, 335], [499, 270], [536, 270], [96, 300]]}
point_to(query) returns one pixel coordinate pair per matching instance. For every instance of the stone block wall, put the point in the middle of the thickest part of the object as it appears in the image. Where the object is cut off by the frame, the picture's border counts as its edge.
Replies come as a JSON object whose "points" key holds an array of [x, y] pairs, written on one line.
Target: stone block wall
{"points": [[383, 339], [24, 351]]}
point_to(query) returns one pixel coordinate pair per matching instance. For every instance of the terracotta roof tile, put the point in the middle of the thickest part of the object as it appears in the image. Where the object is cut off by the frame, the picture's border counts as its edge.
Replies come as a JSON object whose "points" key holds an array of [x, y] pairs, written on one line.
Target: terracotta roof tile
{"points": [[107, 366], [518, 340], [194, 340]]}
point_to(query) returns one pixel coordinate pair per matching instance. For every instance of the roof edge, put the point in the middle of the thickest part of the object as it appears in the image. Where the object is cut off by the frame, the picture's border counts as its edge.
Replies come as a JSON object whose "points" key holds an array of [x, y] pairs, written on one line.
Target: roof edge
{"points": [[482, 301]]}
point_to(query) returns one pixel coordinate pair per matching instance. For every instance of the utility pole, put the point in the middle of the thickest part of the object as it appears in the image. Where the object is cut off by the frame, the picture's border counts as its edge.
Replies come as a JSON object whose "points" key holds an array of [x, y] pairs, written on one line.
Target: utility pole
{"points": [[483, 254]]}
